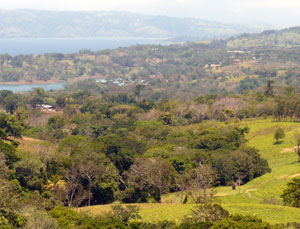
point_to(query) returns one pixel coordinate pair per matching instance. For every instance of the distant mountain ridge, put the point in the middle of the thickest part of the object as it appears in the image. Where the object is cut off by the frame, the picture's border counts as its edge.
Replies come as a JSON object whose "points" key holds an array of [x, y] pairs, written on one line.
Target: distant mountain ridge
{"points": [[36, 23]]}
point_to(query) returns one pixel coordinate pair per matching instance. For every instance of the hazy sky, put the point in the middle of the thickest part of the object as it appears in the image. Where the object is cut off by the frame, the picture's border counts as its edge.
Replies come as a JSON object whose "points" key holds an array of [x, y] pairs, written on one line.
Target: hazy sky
{"points": [[278, 12]]}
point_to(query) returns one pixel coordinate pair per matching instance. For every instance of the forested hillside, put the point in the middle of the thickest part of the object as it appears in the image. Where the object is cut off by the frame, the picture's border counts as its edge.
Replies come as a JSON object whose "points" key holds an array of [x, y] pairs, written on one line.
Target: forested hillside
{"points": [[34, 23], [166, 71], [88, 148], [281, 38]]}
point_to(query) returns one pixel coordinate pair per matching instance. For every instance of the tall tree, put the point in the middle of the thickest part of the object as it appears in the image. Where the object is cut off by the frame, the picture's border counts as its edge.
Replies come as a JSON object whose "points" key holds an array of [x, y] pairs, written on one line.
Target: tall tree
{"points": [[269, 88], [137, 91], [97, 170], [297, 140], [150, 175]]}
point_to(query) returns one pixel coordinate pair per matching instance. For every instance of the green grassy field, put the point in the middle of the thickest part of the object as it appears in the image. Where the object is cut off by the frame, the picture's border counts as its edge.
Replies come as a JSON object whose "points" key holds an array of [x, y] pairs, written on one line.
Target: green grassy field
{"points": [[260, 197]]}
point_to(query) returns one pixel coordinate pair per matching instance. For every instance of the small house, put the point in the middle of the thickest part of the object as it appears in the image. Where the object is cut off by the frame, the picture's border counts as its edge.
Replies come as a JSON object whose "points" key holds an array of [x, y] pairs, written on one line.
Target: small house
{"points": [[236, 61]]}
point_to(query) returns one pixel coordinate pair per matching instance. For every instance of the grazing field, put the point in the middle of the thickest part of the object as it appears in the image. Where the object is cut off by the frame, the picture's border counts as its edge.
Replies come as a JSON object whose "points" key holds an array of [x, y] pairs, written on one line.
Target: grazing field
{"points": [[260, 197]]}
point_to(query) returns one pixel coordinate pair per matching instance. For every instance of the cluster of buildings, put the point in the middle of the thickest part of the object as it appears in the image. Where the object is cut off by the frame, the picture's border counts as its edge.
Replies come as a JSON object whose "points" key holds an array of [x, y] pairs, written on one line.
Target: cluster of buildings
{"points": [[118, 81]]}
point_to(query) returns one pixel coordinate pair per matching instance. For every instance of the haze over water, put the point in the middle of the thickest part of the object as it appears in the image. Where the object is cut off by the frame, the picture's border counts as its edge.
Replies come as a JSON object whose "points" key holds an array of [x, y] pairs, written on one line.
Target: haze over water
{"points": [[27, 46]]}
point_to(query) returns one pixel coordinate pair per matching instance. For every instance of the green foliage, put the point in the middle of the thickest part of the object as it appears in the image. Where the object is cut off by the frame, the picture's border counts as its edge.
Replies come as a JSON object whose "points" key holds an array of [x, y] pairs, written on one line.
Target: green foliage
{"points": [[68, 218], [30, 173], [10, 154], [207, 99], [120, 150], [269, 88], [291, 195], [10, 125], [34, 132], [125, 214], [208, 212], [56, 122], [246, 162], [166, 118], [198, 225], [111, 148], [279, 134], [150, 178], [11, 220], [37, 97], [280, 38], [61, 101], [213, 139], [240, 222], [75, 145]]}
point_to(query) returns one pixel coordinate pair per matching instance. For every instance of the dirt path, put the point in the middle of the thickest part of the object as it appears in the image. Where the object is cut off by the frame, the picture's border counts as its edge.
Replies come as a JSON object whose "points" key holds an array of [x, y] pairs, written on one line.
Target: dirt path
{"points": [[295, 175], [288, 150], [250, 195]]}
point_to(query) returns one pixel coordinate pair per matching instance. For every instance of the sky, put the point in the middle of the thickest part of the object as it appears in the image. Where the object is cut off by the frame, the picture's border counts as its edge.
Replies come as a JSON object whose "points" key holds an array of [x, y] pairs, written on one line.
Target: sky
{"points": [[281, 13]]}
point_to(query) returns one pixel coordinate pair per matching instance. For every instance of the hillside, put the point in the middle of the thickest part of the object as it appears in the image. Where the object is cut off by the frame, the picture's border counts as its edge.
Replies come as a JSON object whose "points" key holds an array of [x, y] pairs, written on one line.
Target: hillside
{"points": [[185, 71], [33, 23], [88, 149], [289, 37], [260, 197]]}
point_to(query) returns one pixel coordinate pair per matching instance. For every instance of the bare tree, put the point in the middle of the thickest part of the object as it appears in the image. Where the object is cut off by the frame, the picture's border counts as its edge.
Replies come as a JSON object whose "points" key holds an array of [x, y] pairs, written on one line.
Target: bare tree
{"points": [[86, 171], [207, 212], [160, 175], [72, 185], [201, 181], [149, 174], [182, 184]]}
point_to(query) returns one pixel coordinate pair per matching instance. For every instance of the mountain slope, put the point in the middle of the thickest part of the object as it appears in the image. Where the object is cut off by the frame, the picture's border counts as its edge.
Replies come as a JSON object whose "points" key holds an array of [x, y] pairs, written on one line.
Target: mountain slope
{"points": [[259, 197], [34, 23], [289, 37]]}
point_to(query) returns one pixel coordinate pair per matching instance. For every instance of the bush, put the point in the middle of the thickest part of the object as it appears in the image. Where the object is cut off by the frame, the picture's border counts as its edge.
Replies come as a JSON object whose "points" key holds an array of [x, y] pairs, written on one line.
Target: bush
{"points": [[241, 222], [159, 225], [33, 132], [125, 214], [67, 218], [11, 220], [206, 213], [291, 195], [200, 225], [279, 134]]}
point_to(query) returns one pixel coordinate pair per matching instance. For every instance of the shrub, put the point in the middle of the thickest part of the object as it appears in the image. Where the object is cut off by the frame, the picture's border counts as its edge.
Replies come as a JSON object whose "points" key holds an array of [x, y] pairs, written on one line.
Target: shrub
{"points": [[206, 213], [291, 195], [279, 134], [241, 222]]}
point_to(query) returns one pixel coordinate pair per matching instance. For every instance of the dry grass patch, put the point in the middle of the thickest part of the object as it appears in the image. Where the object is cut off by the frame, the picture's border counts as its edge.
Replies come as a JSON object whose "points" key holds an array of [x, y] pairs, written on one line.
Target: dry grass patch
{"points": [[295, 175], [288, 150], [36, 146]]}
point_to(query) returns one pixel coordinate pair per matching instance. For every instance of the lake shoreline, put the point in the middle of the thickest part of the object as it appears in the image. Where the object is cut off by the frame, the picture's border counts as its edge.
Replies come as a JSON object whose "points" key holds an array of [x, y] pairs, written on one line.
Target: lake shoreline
{"points": [[15, 83], [20, 88], [73, 80]]}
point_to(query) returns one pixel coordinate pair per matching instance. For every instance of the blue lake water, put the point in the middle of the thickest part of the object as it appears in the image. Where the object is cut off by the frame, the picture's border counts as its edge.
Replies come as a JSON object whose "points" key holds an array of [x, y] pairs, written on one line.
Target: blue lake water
{"points": [[30, 87], [27, 46]]}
